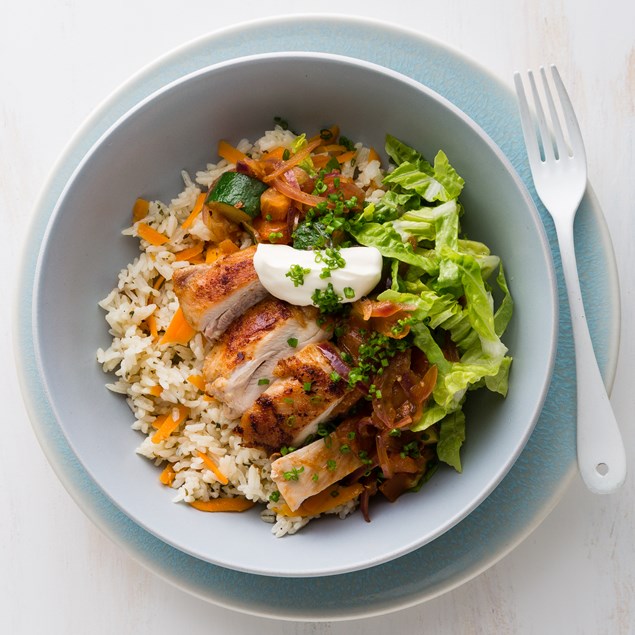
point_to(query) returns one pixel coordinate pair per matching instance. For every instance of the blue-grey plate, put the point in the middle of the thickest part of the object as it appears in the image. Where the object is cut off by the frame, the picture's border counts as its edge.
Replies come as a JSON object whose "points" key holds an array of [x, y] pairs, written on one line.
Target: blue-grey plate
{"points": [[544, 469]]}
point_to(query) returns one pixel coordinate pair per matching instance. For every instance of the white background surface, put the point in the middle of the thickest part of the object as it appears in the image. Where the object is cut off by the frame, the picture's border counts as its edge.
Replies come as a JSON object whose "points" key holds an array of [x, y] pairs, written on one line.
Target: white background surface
{"points": [[58, 574]]}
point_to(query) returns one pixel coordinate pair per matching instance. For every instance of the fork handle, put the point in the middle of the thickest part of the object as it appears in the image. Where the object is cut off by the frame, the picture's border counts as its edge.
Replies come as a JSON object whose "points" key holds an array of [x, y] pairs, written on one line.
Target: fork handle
{"points": [[601, 455]]}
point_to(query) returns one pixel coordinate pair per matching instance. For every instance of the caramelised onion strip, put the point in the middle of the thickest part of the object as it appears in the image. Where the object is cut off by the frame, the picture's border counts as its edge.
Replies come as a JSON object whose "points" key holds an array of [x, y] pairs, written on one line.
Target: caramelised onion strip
{"points": [[382, 455], [298, 157], [394, 487], [334, 360], [384, 409], [379, 308], [384, 315], [284, 187]]}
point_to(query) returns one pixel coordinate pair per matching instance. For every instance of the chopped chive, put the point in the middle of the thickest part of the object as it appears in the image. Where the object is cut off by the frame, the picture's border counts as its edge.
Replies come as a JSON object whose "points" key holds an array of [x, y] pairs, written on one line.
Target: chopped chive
{"points": [[331, 465], [263, 381], [292, 341], [307, 386], [296, 273], [274, 497], [349, 292], [293, 474]]}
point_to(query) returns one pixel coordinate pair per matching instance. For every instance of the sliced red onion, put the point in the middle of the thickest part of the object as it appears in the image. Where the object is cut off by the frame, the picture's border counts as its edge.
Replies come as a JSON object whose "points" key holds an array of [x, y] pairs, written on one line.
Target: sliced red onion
{"points": [[333, 357]]}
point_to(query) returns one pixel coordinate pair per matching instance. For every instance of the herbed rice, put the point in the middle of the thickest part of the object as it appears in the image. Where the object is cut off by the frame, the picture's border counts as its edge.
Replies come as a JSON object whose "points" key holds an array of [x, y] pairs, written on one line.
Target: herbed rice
{"points": [[140, 364]]}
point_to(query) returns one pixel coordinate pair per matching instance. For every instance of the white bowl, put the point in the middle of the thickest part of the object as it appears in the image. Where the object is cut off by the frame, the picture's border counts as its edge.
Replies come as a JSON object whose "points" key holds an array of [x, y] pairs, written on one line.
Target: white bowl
{"points": [[177, 128]]}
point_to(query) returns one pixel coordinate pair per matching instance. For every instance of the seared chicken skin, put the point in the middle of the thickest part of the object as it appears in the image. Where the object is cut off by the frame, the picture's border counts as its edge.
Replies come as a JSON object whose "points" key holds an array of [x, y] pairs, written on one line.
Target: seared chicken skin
{"points": [[240, 365], [308, 391], [311, 469], [212, 296]]}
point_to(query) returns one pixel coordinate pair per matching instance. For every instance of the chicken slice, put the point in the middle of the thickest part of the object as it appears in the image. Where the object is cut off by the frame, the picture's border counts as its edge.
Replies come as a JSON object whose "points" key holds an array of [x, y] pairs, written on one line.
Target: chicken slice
{"points": [[311, 469], [213, 295], [307, 393], [240, 365]]}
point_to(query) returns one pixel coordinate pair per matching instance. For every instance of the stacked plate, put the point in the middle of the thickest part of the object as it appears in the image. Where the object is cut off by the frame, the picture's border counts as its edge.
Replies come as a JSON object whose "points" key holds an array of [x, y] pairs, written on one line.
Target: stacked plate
{"points": [[383, 579]]}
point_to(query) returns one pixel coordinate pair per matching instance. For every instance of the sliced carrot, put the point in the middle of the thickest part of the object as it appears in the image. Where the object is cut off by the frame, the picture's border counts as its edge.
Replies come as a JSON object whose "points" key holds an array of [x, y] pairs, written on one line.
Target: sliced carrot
{"points": [[274, 204], [210, 465], [227, 246], [211, 254], [179, 331], [332, 148], [160, 420], [328, 499], [196, 210], [223, 505], [275, 153], [320, 160], [151, 321], [155, 391], [229, 152], [373, 156], [151, 235], [190, 252], [347, 156], [329, 134], [169, 424], [158, 283], [167, 476], [198, 381], [140, 209]]}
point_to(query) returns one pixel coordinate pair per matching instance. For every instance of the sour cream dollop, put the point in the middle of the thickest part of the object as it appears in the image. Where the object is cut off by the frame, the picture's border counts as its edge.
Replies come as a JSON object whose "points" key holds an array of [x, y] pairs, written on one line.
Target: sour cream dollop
{"points": [[354, 280]]}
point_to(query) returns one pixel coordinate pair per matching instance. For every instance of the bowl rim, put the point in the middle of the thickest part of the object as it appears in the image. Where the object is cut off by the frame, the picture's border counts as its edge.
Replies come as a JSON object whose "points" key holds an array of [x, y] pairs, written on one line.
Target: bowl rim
{"points": [[520, 187]]}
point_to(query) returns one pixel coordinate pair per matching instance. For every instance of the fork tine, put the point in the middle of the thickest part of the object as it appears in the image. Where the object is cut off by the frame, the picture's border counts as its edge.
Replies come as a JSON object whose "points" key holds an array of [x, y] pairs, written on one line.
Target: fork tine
{"points": [[545, 135], [526, 120], [573, 128], [561, 145]]}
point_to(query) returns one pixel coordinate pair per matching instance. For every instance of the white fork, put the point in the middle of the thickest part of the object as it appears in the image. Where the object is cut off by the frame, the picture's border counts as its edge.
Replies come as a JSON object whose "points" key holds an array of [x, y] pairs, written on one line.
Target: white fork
{"points": [[559, 171]]}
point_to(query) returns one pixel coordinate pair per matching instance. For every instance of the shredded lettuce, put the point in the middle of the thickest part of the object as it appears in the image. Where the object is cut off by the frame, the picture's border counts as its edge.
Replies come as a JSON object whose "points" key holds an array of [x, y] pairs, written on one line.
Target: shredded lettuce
{"points": [[437, 182], [445, 279], [451, 437]]}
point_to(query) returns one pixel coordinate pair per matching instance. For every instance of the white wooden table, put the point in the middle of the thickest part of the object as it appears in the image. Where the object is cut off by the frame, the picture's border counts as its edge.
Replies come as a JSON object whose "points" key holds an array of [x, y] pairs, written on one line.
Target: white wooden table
{"points": [[58, 574]]}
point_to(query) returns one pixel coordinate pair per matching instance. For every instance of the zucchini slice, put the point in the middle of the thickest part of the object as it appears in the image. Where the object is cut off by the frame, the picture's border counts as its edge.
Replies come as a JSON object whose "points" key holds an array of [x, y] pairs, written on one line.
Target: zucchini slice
{"points": [[237, 196]]}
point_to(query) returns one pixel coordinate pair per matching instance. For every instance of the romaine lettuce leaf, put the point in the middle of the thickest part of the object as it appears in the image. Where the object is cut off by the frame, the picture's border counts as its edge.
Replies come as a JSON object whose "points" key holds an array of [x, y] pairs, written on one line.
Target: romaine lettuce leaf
{"points": [[413, 174], [451, 437], [399, 152], [506, 308], [389, 243], [479, 303]]}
